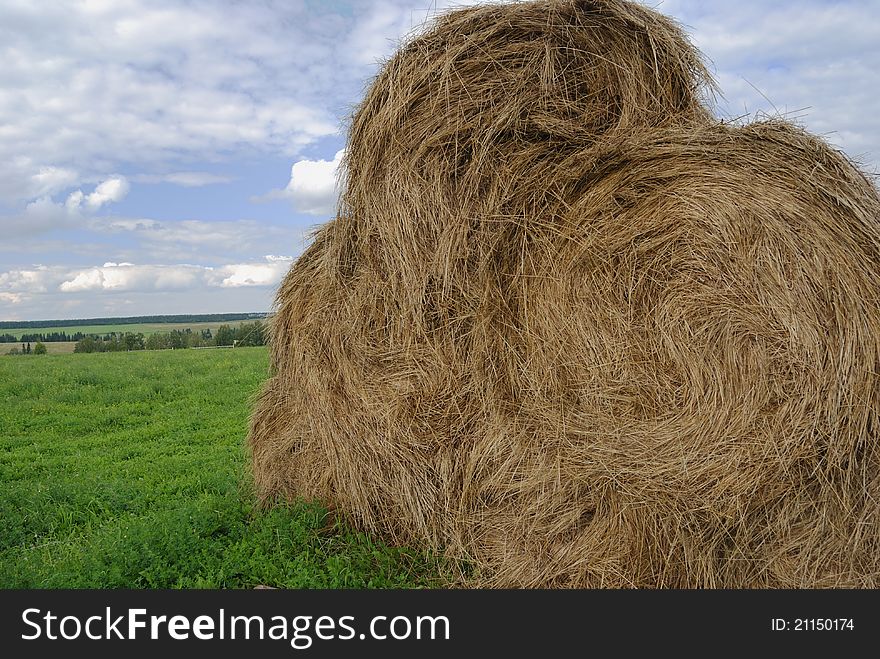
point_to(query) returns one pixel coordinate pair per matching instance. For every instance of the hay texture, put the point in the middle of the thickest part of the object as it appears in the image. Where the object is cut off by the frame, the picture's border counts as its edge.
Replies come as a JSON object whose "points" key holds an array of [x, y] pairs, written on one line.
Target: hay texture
{"points": [[632, 351]]}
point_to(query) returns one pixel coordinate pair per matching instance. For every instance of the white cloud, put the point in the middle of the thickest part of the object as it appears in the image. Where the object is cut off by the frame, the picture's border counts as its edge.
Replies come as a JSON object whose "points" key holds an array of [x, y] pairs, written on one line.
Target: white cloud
{"points": [[255, 274], [130, 277], [11, 298], [109, 191], [37, 279], [23, 179], [40, 215], [85, 281], [74, 201], [313, 186], [378, 32], [814, 61], [113, 189], [119, 288], [115, 276], [381, 26], [127, 224], [43, 214], [197, 240], [49, 180], [185, 179], [154, 83]]}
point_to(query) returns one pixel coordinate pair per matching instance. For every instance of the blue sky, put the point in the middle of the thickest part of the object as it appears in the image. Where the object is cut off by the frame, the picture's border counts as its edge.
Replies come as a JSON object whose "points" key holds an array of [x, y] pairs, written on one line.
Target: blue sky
{"points": [[171, 157]]}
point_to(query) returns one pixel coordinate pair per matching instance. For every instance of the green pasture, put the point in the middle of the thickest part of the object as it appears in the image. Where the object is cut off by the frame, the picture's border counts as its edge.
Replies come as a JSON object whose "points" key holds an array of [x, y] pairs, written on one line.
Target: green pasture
{"points": [[129, 470]]}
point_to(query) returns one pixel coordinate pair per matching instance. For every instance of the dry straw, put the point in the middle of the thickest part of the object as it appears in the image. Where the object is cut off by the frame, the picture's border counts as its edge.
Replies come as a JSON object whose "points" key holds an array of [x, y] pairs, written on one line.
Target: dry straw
{"points": [[570, 329]]}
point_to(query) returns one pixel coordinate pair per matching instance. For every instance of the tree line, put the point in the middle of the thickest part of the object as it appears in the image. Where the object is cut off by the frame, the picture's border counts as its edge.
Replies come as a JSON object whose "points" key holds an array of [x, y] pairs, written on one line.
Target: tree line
{"points": [[48, 337], [181, 318], [247, 334]]}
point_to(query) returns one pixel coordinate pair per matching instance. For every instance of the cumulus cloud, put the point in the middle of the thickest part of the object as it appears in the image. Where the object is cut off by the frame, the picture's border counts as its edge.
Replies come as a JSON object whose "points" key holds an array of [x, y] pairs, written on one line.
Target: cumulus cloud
{"points": [[44, 214], [113, 189], [116, 288], [129, 277], [112, 277], [313, 186], [36, 279], [254, 274], [85, 281], [122, 276]]}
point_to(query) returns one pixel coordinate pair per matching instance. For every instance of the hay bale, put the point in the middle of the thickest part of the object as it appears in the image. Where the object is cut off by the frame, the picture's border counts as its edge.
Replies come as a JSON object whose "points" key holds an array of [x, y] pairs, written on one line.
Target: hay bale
{"points": [[489, 90], [640, 357]]}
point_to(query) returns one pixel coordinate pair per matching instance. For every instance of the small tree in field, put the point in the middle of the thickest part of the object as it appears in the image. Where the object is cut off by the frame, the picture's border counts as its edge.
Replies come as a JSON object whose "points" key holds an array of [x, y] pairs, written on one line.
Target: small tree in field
{"points": [[86, 344], [225, 336], [250, 334], [40, 348], [132, 341]]}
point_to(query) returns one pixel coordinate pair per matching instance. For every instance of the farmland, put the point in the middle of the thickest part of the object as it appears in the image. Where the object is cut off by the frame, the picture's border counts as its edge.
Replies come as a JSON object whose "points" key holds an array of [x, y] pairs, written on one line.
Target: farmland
{"points": [[120, 328], [52, 347], [129, 470]]}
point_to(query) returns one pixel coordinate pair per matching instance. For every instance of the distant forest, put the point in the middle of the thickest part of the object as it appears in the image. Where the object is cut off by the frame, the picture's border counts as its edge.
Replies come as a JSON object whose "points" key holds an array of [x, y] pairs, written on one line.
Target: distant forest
{"points": [[49, 337], [185, 318], [246, 334]]}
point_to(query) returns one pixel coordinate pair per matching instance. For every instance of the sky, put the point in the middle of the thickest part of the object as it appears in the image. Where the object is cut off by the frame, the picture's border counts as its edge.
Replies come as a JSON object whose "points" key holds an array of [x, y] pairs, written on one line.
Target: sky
{"points": [[166, 157]]}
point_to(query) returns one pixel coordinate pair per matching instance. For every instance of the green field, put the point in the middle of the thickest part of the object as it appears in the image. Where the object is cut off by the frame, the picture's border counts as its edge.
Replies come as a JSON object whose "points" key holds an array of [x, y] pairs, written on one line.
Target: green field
{"points": [[144, 328], [129, 470]]}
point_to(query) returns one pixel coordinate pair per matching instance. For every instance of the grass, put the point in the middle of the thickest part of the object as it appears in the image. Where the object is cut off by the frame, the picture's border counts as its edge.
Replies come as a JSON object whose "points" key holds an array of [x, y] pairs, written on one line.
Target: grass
{"points": [[128, 470]]}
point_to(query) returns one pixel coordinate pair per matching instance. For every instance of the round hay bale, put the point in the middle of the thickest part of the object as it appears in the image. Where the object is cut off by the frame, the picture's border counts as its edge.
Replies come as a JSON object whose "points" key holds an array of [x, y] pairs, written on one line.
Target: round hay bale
{"points": [[644, 357], [669, 377], [494, 87]]}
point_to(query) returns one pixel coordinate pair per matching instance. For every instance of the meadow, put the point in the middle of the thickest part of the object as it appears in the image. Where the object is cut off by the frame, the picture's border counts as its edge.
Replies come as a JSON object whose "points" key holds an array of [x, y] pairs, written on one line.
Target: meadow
{"points": [[129, 470]]}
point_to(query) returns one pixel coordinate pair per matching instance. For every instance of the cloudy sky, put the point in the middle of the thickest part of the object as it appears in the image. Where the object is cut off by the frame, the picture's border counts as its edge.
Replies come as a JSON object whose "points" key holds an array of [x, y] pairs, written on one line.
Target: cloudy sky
{"points": [[171, 157]]}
